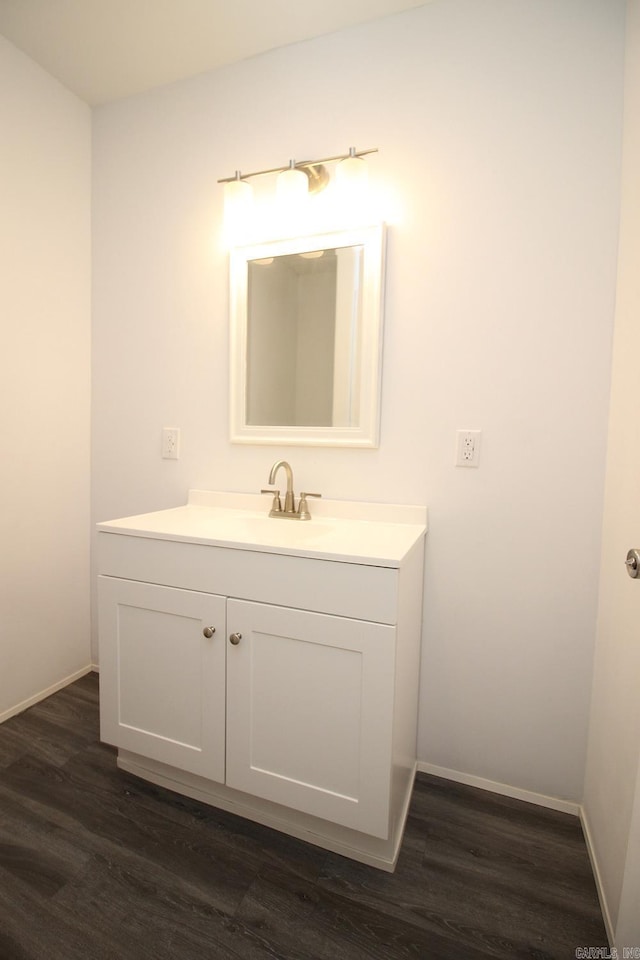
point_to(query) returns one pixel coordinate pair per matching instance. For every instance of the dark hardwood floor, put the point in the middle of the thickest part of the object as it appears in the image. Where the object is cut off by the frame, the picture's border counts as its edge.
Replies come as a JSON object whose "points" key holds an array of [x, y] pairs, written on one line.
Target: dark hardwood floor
{"points": [[96, 864]]}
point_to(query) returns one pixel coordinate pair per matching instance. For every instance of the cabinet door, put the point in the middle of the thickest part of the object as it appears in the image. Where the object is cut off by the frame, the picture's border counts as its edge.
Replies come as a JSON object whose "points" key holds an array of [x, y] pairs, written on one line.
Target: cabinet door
{"points": [[162, 682], [309, 712]]}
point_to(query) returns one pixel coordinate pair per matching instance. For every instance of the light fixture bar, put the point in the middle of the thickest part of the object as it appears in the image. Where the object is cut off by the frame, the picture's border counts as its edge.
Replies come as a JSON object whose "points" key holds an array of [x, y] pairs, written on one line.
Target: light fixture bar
{"points": [[299, 164]]}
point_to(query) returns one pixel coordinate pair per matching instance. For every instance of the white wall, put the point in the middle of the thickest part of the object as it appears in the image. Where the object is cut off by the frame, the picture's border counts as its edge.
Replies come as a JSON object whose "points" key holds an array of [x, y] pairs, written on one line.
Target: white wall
{"points": [[44, 380], [499, 131], [612, 785]]}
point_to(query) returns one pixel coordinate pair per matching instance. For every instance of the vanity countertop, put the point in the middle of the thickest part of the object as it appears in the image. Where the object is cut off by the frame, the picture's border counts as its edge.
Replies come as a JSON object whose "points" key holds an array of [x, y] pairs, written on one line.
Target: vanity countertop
{"points": [[347, 531]]}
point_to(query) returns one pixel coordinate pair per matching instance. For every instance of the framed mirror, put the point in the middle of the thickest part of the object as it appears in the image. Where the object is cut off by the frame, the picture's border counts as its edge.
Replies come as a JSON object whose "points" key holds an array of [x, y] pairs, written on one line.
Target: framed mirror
{"points": [[306, 339]]}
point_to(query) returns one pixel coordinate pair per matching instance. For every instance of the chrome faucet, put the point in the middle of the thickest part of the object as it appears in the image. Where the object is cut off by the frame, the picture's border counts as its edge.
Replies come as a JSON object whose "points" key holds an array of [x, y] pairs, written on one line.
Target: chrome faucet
{"points": [[289, 512]]}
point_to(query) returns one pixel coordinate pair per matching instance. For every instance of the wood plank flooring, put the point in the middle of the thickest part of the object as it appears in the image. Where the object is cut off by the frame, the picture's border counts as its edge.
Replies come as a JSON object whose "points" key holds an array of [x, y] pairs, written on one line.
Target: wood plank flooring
{"points": [[96, 865]]}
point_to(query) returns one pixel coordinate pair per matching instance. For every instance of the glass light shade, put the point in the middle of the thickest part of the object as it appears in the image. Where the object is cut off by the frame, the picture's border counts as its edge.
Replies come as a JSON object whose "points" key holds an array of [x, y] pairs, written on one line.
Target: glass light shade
{"points": [[352, 174], [238, 199], [352, 193], [292, 186]]}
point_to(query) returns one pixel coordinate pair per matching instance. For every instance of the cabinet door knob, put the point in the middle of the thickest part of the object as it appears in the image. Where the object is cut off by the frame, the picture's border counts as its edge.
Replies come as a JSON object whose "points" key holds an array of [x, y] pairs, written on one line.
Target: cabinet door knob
{"points": [[209, 632], [235, 639]]}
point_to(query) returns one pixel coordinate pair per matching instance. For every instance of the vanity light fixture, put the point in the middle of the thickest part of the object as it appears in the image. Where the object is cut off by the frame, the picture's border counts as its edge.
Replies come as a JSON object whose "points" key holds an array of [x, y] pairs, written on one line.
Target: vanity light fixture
{"points": [[297, 180]]}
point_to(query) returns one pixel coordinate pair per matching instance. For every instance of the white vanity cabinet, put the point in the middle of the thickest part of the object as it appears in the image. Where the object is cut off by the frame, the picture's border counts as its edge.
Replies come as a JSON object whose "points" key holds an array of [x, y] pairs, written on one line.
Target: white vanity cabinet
{"points": [[275, 681]]}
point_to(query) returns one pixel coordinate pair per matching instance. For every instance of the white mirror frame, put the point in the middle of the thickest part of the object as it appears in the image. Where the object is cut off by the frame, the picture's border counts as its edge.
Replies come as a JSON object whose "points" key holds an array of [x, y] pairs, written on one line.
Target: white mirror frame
{"points": [[366, 433]]}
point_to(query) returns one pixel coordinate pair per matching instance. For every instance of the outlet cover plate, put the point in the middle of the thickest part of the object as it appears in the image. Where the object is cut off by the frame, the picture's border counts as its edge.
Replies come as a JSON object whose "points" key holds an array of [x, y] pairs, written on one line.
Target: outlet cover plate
{"points": [[170, 443], [468, 448]]}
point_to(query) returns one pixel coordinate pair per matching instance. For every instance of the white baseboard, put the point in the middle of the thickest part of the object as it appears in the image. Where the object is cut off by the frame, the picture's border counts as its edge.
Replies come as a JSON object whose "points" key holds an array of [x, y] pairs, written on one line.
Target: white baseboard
{"points": [[553, 803], [43, 694], [597, 876]]}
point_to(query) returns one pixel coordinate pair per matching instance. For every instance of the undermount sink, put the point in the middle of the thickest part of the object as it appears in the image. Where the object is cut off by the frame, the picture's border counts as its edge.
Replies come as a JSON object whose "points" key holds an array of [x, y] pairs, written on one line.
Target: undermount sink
{"points": [[353, 532], [259, 528]]}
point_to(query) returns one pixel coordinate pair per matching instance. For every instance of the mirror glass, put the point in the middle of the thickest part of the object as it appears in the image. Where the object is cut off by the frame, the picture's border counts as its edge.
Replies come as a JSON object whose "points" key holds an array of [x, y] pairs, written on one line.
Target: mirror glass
{"points": [[306, 337]]}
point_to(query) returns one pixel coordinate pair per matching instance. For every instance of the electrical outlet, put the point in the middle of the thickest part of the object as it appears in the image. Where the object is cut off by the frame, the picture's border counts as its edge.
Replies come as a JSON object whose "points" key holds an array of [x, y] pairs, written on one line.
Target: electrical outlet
{"points": [[468, 448], [170, 443]]}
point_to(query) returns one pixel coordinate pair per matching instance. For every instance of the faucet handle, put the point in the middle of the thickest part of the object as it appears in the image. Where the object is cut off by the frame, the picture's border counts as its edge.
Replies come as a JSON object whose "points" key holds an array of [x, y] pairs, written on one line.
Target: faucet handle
{"points": [[276, 506], [303, 509]]}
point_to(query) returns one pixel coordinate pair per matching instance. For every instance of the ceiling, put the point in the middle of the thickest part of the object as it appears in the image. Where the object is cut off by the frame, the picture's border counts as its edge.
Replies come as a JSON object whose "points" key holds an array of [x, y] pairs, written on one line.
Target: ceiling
{"points": [[106, 49]]}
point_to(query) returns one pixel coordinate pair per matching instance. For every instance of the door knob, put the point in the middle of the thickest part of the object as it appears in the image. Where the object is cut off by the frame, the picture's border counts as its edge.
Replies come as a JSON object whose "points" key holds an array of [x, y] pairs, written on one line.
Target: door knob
{"points": [[235, 639], [633, 563], [209, 632]]}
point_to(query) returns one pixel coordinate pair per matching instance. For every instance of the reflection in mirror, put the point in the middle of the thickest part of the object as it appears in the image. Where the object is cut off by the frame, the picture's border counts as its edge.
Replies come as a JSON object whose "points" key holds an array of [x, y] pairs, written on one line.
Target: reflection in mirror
{"points": [[306, 339], [303, 314]]}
